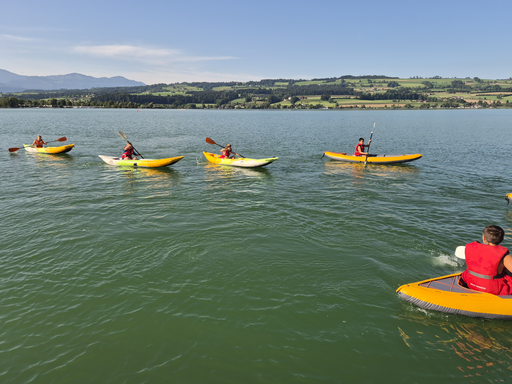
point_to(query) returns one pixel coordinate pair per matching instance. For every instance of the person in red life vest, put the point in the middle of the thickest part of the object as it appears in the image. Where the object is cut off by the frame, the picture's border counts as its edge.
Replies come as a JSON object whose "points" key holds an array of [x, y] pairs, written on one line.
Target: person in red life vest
{"points": [[360, 147], [488, 264], [228, 153], [38, 143], [128, 152]]}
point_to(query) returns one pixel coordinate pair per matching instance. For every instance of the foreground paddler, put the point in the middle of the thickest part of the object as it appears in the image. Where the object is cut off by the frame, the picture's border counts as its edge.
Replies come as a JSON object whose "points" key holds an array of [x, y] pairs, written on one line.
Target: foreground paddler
{"points": [[484, 289], [488, 264]]}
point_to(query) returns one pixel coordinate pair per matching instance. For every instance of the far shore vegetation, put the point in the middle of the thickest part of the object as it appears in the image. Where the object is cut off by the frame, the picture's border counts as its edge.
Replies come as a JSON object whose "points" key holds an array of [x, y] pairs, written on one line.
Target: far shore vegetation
{"points": [[345, 92]]}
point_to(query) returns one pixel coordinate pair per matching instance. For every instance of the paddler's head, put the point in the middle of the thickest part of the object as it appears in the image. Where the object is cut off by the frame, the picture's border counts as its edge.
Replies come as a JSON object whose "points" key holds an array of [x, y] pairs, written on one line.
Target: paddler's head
{"points": [[361, 140], [493, 235]]}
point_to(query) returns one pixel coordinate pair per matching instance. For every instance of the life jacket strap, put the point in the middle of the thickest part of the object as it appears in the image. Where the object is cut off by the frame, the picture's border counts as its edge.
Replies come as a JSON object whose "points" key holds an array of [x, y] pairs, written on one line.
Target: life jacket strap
{"points": [[486, 277]]}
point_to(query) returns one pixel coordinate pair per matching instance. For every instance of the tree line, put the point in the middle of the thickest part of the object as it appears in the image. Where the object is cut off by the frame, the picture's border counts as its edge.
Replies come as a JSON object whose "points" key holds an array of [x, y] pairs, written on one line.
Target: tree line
{"points": [[266, 92]]}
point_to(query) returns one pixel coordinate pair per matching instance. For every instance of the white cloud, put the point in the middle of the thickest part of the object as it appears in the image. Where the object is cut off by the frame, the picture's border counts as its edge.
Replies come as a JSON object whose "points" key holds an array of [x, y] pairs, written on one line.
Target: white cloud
{"points": [[15, 38], [144, 54]]}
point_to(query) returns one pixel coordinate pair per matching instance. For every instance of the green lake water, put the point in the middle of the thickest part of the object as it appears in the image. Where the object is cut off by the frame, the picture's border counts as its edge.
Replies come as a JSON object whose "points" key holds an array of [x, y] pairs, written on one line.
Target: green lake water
{"points": [[198, 273]]}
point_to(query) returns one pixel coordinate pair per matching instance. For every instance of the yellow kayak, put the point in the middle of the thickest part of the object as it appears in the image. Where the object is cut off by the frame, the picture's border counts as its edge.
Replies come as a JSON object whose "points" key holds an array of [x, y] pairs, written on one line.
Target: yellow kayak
{"points": [[147, 163], [376, 159], [51, 150], [445, 294], [238, 162], [508, 197]]}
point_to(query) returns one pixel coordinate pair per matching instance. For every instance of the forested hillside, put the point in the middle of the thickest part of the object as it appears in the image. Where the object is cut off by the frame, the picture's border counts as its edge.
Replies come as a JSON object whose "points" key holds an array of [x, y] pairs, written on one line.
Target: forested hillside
{"points": [[374, 91]]}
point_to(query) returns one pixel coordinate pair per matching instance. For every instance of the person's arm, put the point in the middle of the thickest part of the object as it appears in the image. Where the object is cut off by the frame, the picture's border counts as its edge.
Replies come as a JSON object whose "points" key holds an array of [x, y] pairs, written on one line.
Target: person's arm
{"points": [[507, 262]]}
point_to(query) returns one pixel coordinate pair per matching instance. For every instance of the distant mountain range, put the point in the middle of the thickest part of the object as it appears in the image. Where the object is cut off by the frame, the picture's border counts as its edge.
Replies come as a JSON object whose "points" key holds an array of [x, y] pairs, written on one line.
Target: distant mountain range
{"points": [[11, 82]]}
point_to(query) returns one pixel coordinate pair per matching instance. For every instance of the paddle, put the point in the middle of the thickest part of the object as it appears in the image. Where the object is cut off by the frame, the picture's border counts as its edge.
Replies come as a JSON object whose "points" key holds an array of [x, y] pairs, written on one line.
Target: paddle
{"points": [[61, 139], [123, 136], [369, 142], [210, 141], [460, 252]]}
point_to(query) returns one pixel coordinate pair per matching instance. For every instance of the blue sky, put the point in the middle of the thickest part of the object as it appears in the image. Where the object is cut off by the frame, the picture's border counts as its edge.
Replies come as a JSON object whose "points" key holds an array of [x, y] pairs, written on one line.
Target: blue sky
{"points": [[176, 41]]}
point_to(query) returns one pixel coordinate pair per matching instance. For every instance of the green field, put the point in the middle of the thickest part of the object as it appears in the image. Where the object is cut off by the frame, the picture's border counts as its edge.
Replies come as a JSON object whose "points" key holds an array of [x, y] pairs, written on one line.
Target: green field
{"points": [[355, 93]]}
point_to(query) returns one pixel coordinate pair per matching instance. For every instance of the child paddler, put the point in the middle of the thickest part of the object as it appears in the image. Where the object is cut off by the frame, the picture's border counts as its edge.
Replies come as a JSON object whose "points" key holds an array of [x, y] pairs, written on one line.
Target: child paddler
{"points": [[38, 142], [488, 264], [128, 152], [359, 151], [228, 153]]}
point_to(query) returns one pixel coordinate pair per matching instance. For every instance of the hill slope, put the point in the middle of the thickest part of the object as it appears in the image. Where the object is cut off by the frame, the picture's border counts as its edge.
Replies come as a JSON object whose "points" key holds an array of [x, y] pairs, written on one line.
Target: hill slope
{"points": [[11, 82]]}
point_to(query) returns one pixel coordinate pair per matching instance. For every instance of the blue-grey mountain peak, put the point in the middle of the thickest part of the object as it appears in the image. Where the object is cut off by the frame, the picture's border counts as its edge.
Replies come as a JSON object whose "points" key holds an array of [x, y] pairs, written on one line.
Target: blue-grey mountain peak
{"points": [[11, 82]]}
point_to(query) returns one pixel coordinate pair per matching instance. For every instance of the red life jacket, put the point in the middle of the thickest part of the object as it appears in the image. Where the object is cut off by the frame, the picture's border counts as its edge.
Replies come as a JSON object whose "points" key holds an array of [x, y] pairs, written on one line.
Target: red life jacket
{"points": [[225, 154], [358, 151], [482, 262], [38, 143], [128, 153]]}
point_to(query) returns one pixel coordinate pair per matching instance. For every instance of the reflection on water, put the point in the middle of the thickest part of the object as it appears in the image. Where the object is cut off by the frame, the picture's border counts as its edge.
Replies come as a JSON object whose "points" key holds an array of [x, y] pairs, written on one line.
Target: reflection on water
{"points": [[333, 167], [508, 216], [215, 171], [48, 159], [483, 345], [157, 180]]}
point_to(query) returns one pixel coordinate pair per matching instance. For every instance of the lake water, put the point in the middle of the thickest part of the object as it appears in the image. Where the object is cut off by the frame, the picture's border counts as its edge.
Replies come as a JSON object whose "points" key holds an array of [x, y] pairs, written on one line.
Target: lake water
{"points": [[208, 274]]}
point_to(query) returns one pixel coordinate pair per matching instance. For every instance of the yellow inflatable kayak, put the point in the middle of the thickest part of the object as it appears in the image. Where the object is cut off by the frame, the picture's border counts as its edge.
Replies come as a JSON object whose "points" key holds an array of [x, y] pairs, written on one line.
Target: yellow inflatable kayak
{"points": [[376, 159], [239, 162], [147, 163], [51, 150], [445, 294], [508, 197]]}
